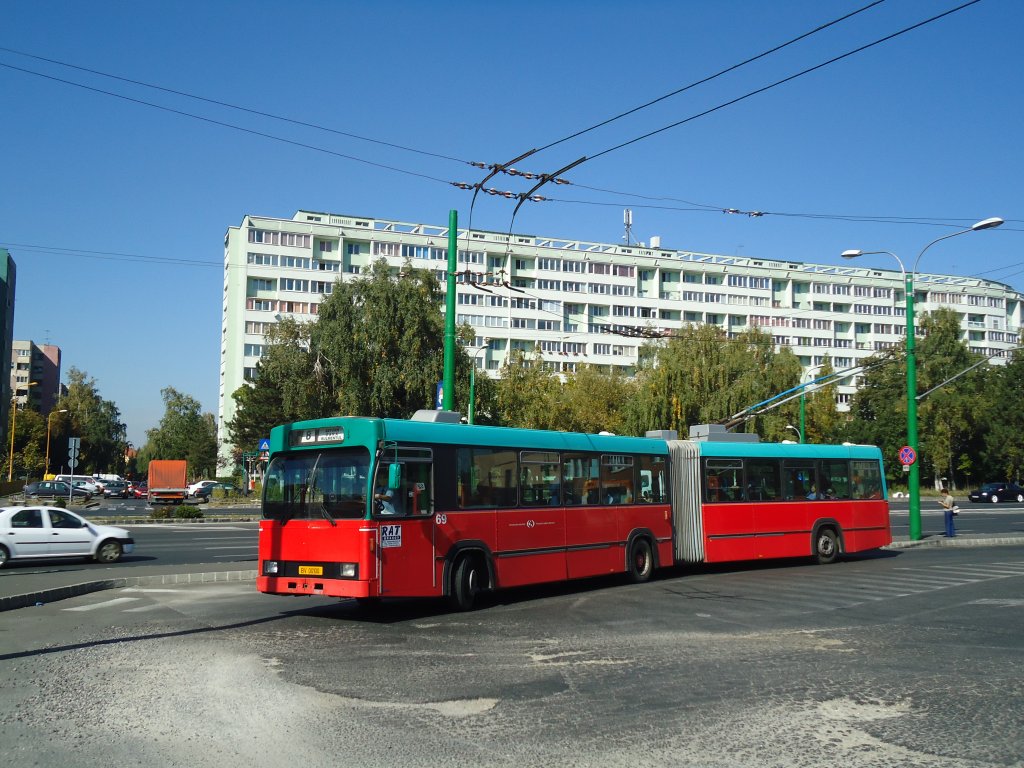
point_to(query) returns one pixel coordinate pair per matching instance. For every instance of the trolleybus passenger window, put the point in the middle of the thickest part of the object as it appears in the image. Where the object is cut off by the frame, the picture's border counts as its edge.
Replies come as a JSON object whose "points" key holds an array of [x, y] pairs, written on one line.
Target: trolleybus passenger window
{"points": [[763, 482], [486, 477], [723, 480], [539, 479], [800, 480], [652, 479], [866, 479], [617, 481], [581, 483], [835, 476]]}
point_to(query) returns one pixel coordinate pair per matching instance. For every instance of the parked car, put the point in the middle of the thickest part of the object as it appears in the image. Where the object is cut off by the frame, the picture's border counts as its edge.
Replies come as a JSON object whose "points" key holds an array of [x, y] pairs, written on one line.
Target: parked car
{"points": [[54, 489], [44, 532], [993, 493], [118, 488], [207, 492], [199, 488], [94, 489], [140, 490]]}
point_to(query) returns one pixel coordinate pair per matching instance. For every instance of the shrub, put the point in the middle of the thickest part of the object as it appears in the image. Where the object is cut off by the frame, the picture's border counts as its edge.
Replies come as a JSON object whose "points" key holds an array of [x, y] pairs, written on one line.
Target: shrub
{"points": [[188, 512], [161, 513]]}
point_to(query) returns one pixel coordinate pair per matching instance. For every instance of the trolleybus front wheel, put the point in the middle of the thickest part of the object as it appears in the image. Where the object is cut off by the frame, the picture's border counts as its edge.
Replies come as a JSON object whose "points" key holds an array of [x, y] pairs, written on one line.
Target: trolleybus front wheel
{"points": [[467, 581]]}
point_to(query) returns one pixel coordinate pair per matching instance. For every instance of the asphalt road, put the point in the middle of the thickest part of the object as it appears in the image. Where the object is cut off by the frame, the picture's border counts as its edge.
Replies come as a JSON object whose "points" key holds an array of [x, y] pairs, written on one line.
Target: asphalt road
{"points": [[908, 658]]}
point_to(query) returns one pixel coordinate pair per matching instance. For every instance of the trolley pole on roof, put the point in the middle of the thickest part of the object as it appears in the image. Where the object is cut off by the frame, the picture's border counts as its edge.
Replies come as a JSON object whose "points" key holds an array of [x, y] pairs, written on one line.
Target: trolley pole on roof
{"points": [[448, 383]]}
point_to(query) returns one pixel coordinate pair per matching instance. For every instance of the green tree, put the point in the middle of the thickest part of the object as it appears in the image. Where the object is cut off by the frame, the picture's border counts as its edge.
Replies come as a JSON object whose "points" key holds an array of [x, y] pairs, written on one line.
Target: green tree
{"points": [[290, 384], [822, 422], [526, 393], [702, 376], [184, 432], [1001, 422], [592, 400], [97, 422], [380, 341], [29, 444]]}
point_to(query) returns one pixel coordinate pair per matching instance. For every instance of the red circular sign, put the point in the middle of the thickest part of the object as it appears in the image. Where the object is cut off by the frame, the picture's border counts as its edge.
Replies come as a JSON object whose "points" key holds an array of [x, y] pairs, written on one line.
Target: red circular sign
{"points": [[907, 455]]}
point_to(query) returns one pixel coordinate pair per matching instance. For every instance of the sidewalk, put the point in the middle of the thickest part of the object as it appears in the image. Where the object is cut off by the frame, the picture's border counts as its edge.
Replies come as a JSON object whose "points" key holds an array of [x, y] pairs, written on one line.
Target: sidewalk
{"points": [[960, 540], [58, 585]]}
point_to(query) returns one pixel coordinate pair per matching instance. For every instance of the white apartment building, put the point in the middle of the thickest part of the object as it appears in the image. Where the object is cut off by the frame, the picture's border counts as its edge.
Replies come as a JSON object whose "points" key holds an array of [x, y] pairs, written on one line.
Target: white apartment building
{"points": [[580, 302]]}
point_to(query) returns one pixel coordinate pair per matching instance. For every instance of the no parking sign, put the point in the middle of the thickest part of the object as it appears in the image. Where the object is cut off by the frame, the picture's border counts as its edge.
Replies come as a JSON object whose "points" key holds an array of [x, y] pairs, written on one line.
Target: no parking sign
{"points": [[907, 456]]}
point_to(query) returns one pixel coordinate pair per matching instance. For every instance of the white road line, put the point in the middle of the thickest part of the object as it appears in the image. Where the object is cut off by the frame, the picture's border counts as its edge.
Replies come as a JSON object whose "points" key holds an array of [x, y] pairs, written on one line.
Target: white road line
{"points": [[248, 546], [105, 604], [142, 608]]}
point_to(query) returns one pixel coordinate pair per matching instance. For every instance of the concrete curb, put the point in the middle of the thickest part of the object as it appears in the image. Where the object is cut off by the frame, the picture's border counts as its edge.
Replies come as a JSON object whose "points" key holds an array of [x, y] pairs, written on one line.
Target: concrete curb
{"points": [[1007, 540], [83, 588]]}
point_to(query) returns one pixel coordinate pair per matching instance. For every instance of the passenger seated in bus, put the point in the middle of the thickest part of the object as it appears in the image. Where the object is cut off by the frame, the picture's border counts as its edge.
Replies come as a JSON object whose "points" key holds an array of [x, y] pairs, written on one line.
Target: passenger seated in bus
{"points": [[830, 494], [813, 495]]}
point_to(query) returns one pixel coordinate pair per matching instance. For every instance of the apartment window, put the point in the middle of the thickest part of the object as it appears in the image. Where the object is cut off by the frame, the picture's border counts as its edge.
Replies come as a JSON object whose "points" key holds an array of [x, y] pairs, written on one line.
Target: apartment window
{"points": [[524, 303], [260, 305], [353, 249], [738, 281], [524, 322], [551, 346], [549, 325], [472, 257], [521, 264], [325, 246], [249, 373], [328, 266], [296, 262], [549, 264], [862, 290], [619, 310], [623, 290], [570, 286], [624, 270], [600, 269], [600, 288], [300, 286], [263, 236], [762, 283], [322, 287], [253, 350], [602, 349], [385, 249], [252, 326], [549, 285], [262, 259], [574, 266], [261, 284], [297, 241]]}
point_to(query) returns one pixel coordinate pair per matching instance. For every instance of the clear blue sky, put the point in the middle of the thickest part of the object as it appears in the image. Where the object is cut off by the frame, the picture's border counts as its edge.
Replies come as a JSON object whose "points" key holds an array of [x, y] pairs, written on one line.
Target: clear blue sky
{"points": [[115, 212]]}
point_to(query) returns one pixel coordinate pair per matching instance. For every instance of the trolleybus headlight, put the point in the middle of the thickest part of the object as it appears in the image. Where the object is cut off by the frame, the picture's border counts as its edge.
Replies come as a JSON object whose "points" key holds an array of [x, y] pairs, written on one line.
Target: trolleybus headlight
{"points": [[348, 570], [269, 567]]}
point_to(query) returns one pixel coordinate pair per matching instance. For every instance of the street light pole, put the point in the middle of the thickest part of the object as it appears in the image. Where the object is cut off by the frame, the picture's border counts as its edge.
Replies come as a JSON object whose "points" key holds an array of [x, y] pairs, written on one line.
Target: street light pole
{"points": [[62, 410], [803, 403], [914, 475], [472, 382]]}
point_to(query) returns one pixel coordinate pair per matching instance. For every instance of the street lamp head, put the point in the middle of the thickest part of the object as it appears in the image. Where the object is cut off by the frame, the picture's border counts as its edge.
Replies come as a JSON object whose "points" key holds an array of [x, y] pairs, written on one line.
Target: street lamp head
{"points": [[991, 223], [851, 254]]}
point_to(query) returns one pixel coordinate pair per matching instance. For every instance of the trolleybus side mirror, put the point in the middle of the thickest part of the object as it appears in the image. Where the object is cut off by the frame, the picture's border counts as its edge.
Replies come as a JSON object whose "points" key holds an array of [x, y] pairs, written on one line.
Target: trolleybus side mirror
{"points": [[395, 476]]}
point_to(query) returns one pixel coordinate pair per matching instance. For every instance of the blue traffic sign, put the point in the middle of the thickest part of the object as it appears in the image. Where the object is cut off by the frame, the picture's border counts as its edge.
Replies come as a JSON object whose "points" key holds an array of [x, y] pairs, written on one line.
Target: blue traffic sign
{"points": [[264, 444]]}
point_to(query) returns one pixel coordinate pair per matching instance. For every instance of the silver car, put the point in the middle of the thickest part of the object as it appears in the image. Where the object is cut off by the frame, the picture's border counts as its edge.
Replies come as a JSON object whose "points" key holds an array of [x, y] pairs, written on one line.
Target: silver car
{"points": [[45, 532]]}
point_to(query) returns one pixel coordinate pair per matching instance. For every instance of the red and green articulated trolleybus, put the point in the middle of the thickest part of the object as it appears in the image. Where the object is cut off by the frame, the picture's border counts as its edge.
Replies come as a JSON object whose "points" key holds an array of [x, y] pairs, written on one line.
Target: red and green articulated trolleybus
{"points": [[368, 508]]}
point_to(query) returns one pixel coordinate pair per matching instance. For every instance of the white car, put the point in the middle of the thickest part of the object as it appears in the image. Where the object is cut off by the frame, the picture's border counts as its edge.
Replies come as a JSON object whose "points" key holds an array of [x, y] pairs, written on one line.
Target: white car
{"points": [[201, 488], [43, 532], [96, 489]]}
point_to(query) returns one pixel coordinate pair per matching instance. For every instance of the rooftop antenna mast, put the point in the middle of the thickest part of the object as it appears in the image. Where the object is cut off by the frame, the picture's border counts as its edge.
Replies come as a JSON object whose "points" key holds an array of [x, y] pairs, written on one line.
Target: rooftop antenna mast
{"points": [[627, 220]]}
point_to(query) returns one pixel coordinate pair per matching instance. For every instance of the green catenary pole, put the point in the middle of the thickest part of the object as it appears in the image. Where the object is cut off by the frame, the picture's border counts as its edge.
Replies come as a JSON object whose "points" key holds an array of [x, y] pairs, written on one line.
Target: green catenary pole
{"points": [[448, 385]]}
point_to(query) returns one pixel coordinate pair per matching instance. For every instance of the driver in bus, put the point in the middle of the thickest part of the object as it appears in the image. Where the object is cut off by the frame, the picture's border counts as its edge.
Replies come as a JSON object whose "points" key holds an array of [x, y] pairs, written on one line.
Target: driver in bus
{"points": [[384, 499]]}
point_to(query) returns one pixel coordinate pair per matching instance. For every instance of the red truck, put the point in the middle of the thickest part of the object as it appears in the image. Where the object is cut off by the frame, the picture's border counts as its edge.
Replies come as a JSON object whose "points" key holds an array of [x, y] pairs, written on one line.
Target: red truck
{"points": [[167, 481]]}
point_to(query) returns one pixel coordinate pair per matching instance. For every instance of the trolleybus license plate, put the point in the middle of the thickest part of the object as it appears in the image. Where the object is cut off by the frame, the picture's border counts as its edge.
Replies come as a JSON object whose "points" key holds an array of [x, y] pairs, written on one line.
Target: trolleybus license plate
{"points": [[311, 570]]}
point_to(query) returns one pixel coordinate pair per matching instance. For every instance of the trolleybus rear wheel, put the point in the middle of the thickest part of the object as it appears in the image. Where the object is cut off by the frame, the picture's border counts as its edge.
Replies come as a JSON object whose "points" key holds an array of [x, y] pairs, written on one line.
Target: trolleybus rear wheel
{"points": [[641, 560], [826, 546]]}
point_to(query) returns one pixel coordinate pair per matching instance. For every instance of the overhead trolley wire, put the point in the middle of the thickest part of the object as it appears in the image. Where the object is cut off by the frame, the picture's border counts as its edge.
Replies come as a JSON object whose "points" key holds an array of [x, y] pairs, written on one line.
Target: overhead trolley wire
{"points": [[223, 124], [709, 78]]}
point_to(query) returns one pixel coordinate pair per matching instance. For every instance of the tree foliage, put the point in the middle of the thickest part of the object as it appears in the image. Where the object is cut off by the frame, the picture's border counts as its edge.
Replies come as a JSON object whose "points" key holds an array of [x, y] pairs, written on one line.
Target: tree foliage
{"points": [[97, 422], [184, 432], [701, 376]]}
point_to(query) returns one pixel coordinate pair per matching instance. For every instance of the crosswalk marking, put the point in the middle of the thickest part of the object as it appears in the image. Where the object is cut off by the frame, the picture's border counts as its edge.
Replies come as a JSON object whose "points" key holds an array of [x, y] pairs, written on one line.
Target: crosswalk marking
{"points": [[104, 604]]}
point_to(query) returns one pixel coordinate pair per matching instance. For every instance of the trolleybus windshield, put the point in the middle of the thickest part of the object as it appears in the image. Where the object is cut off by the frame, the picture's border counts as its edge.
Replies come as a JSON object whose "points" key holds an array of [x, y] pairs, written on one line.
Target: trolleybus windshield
{"points": [[317, 484]]}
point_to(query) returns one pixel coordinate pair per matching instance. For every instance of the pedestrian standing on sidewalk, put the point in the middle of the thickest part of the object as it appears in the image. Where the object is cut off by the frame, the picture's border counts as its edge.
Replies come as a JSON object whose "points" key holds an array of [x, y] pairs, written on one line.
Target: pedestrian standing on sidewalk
{"points": [[948, 510]]}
